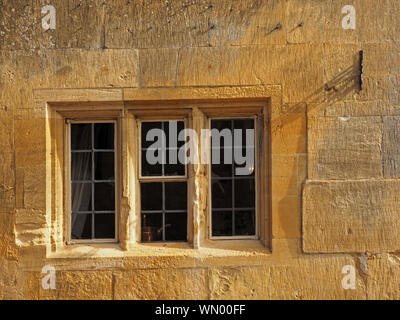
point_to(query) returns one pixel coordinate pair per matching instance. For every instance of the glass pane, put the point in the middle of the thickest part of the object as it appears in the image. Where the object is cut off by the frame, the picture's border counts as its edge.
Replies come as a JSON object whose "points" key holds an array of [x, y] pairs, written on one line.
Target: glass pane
{"points": [[175, 226], [248, 166], [244, 223], [151, 196], [81, 196], [146, 127], [81, 136], [221, 124], [177, 169], [81, 166], [221, 193], [223, 138], [222, 223], [243, 125], [104, 195], [244, 193], [81, 226], [104, 135], [148, 169], [223, 169], [104, 226], [173, 132], [151, 227], [104, 165], [175, 196]]}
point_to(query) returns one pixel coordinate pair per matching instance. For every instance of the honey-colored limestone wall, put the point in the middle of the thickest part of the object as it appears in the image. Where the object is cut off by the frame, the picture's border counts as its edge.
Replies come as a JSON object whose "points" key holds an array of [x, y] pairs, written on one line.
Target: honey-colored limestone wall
{"points": [[335, 150]]}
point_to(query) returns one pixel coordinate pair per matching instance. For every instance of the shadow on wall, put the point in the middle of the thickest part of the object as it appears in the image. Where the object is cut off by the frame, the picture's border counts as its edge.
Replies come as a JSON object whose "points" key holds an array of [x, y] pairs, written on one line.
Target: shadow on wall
{"points": [[336, 89]]}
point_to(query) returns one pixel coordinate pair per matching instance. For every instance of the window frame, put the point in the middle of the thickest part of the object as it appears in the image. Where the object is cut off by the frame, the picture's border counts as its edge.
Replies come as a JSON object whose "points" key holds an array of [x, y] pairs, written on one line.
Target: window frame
{"points": [[68, 181], [256, 236], [163, 179]]}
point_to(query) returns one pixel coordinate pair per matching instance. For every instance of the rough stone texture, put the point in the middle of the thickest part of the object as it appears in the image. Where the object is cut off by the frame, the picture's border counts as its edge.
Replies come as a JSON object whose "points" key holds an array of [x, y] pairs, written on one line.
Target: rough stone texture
{"points": [[162, 284], [345, 147], [334, 149], [391, 149], [351, 216]]}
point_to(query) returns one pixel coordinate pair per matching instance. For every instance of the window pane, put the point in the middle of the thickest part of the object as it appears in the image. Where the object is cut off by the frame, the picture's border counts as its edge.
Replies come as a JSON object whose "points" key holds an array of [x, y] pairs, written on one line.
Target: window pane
{"points": [[104, 165], [81, 226], [224, 168], [81, 136], [104, 225], [244, 223], [221, 193], [90, 166], [104, 195], [175, 196], [81, 166], [222, 223], [104, 136], [172, 132], [225, 177], [160, 157], [175, 226], [244, 193], [146, 127], [81, 196], [152, 227], [243, 124], [151, 196], [176, 168], [150, 170], [221, 124]]}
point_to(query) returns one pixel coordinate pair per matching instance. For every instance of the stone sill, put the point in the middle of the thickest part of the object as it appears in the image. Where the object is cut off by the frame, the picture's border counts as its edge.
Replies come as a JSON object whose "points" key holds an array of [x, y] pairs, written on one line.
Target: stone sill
{"points": [[159, 255], [221, 248]]}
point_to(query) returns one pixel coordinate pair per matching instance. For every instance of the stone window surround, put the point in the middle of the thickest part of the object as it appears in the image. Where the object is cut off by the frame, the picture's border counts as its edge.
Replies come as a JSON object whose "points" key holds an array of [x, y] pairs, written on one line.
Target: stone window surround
{"points": [[126, 106]]}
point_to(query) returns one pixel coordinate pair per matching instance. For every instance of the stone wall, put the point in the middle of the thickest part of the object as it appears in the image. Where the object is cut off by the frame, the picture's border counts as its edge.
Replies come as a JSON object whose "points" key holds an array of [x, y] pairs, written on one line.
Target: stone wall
{"points": [[335, 162]]}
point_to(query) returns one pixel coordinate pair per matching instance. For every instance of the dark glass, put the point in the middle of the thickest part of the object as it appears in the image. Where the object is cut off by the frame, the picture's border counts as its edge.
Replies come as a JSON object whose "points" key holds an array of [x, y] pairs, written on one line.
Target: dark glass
{"points": [[150, 170], [146, 127], [250, 167], [221, 124], [244, 223], [221, 193], [104, 226], [152, 227], [222, 223], [104, 136], [180, 125], [104, 165], [81, 136], [175, 195], [151, 196], [175, 226], [81, 226], [104, 196], [81, 166], [243, 124], [177, 169], [244, 193], [223, 169], [81, 196]]}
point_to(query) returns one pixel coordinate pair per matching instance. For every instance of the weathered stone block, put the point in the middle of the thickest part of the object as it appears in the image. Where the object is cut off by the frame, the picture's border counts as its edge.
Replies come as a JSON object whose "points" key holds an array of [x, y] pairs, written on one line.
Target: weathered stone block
{"points": [[351, 216], [284, 175], [391, 147], [158, 67], [344, 147], [162, 284], [383, 277], [288, 134], [80, 285], [286, 218]]}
